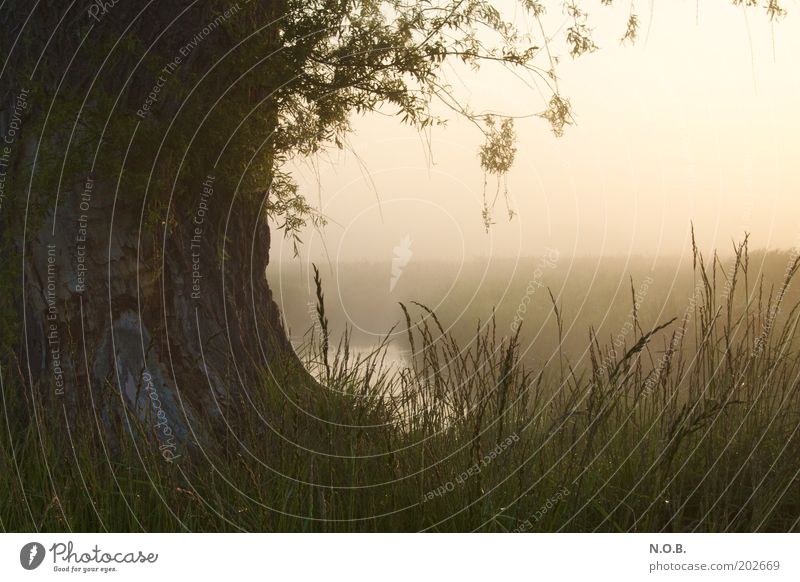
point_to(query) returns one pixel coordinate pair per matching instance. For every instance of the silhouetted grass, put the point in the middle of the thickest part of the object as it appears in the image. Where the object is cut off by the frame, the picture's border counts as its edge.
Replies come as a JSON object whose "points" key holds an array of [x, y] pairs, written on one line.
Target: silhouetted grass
{"points": [[689, 426]]}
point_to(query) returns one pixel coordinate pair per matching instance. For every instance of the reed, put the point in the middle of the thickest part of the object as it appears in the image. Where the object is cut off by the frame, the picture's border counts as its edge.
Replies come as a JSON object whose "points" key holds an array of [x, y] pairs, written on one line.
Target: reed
{"points": [[689, 426]]}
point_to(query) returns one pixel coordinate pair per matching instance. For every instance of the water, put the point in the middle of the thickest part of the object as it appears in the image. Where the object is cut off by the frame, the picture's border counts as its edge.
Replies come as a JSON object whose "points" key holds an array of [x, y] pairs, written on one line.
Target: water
{"points": [[394, 356]]}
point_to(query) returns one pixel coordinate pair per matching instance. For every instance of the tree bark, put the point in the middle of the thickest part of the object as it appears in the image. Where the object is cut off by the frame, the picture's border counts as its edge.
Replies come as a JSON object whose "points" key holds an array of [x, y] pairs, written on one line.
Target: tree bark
{"points": [[148, 304]]}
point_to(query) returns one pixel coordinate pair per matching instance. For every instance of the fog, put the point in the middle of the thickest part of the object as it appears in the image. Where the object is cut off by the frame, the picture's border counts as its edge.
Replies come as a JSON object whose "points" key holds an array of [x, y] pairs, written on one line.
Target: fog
{"points": [[696, 122]]}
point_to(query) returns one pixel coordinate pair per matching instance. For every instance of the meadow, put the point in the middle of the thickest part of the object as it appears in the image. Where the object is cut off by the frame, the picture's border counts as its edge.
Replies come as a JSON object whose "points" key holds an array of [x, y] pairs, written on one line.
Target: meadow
{"points": [[632, 395]]}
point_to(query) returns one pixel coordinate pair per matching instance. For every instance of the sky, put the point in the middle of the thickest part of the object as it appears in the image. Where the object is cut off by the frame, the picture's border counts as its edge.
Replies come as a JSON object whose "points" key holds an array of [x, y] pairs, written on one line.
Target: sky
{"points": [[695, 123]]}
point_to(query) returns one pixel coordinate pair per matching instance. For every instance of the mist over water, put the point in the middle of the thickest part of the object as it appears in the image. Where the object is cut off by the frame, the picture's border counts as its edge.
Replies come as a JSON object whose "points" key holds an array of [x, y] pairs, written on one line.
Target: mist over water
{"points": [[658, 146], [593, 295]]}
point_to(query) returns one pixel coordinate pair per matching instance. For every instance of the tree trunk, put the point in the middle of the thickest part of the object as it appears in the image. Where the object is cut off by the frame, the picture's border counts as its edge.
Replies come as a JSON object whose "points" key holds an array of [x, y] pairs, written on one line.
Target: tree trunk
{"points": [[142, 291], [182, 325]]}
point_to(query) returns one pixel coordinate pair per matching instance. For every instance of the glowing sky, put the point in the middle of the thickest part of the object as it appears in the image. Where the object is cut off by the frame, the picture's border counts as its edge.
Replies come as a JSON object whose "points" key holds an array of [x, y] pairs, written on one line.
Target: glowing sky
{"points": [[696, 122]]}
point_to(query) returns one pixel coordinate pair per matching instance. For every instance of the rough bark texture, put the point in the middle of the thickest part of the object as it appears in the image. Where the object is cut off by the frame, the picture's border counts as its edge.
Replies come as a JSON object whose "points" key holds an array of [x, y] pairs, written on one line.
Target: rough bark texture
{"points": [[150, 306]]}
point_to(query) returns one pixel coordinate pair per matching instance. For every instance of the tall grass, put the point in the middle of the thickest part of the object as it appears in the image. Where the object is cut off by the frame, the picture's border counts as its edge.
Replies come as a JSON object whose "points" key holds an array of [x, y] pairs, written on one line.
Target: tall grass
{"points": [[689, 426]]}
